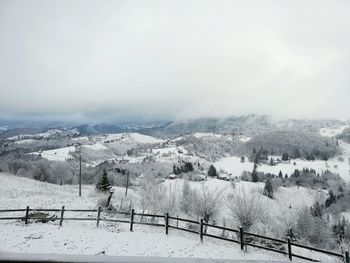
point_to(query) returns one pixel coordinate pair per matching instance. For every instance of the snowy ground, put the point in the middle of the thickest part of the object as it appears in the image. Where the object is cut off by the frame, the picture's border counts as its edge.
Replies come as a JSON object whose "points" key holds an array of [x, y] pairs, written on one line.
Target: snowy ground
{"points": [[17, 192], [332, 131], [115, 239], [43, 195], [234, 166], [60, 154], [286, 203]]}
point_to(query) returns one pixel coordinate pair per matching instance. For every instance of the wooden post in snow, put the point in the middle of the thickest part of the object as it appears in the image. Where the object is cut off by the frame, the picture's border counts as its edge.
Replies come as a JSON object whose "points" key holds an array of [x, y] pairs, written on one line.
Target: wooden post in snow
{"points": [[27, 215], [241, 236], [98, 216], [62, 213], [166, 223], [201, 229], [132, 219], [289, 249]]}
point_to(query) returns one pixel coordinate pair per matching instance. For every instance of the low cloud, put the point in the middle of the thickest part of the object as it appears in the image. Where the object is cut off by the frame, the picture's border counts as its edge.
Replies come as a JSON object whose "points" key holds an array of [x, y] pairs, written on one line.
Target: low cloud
{"points": [[175, 59]]}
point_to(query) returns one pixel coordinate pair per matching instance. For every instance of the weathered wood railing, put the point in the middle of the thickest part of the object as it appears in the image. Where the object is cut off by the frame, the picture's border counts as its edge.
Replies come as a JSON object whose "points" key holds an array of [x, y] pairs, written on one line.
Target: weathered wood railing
{"points": [[241, 236]]}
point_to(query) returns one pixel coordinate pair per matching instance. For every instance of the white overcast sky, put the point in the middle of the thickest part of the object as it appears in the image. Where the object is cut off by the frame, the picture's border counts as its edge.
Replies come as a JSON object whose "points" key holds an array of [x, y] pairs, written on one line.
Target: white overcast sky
{"points": [[175, 59]]}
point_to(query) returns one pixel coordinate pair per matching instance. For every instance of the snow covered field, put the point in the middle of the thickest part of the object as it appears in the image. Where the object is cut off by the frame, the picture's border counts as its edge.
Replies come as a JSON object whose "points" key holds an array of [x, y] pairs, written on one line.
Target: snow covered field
{"points": [[332, 131], [286, 203], [85, 238], [234, 166], [61, 154], [115, 239]]}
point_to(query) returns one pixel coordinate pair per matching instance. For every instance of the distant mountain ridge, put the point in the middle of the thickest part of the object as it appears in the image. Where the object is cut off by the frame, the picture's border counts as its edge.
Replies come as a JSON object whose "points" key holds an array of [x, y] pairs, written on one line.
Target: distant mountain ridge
{"points": [[248, 125]]}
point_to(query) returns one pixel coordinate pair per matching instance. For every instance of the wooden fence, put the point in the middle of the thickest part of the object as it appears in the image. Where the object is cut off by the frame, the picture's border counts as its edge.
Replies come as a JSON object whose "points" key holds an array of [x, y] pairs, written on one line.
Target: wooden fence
{"points": [[243, 238]]}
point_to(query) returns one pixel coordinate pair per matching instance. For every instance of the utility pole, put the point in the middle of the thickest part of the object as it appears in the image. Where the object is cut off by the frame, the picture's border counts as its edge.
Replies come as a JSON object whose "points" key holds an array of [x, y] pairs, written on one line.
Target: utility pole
{"points": [[80, 175], [127, 183]]}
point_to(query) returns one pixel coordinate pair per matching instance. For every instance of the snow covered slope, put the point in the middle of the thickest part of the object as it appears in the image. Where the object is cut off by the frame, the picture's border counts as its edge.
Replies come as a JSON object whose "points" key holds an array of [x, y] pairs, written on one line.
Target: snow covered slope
{"points": [[339, 164], [85, 238], [116, 239], [332, 131], [287, 200], [60, 154]]}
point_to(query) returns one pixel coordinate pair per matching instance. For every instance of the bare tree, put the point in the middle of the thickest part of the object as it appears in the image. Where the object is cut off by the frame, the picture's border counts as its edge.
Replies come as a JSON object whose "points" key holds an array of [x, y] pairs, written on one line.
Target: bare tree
{"points": [[245, 207], [185, 202], [206, 203], [166, 200], [155, 197], [146, 193]]}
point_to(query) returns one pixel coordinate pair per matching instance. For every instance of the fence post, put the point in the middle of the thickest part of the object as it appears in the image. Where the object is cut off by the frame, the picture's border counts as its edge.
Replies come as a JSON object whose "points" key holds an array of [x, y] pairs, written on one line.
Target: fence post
{"points": [[177, 221], [27, 215], [201, 229], [98, 216], [241, 237], [289, 249], [166, 223], [347, 258], [62, 213], [132, 219]]}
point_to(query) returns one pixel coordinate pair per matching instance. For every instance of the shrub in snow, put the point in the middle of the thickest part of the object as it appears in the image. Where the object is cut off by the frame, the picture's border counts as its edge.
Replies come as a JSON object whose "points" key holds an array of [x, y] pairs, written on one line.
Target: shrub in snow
{"points": [[105, 202]]}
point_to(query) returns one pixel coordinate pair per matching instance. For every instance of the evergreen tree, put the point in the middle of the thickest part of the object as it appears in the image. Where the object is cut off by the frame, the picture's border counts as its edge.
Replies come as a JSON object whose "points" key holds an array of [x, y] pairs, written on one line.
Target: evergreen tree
{"points": [[285, 156], [212, 171], [338, 230], [296, 173], [103, 185], [330, 200], [188, 167], [280, 175], [174, 169], [268, 189], [271, 161], [255, 177], [242, 159], [316, 210]]}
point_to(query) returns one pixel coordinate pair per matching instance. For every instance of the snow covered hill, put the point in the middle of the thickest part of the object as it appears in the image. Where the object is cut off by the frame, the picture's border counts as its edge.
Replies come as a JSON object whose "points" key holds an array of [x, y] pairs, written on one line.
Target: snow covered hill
{"points": [[115, 239], [85, 238], [60, 154], [339, 165]]}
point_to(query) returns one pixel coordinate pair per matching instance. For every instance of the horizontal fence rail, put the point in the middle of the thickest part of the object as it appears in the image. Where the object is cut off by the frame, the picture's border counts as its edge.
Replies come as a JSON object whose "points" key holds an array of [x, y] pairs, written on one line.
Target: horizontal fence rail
{"points": [[318, 250], [267, 238], [195, 227]]}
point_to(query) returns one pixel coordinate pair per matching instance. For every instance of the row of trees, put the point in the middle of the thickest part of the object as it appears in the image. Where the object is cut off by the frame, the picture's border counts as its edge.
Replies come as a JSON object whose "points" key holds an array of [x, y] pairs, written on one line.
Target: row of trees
{"points": [[185, 167], [315, 227], [296, 144]]}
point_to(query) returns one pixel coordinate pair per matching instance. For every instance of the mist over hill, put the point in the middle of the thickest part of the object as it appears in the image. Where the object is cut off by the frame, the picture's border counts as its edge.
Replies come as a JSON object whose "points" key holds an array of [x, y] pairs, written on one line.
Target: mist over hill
{"points": [[248, 125]]}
